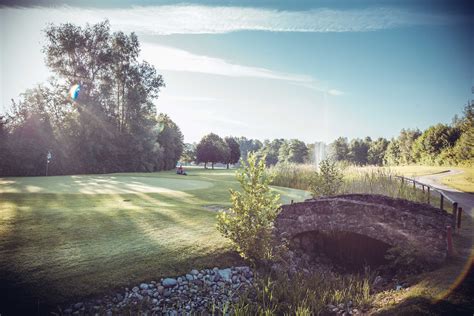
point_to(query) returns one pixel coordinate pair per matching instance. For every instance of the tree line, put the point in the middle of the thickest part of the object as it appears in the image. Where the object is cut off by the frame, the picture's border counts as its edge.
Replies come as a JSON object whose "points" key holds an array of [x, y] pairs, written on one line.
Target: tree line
{"points": [[440, 144], [112, 126], [448, 144], [214, 149]]}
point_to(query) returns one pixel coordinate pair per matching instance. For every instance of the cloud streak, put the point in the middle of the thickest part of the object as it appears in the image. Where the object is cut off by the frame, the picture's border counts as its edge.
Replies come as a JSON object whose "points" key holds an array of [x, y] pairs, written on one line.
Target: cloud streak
{"points": [[196, 19], [173, 59]]}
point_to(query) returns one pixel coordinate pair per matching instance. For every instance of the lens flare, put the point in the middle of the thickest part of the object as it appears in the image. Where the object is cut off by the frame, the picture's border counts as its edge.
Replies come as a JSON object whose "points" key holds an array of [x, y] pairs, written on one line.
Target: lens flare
{"points": [[74, 91]]}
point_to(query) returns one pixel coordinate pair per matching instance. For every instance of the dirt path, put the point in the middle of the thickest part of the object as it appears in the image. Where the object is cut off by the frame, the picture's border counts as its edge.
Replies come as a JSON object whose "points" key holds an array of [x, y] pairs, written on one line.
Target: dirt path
{"points": [[465, 200]]}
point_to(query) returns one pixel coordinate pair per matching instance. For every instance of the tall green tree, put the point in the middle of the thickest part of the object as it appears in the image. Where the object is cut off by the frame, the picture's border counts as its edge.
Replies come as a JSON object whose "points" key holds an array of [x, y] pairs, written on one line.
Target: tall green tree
{"points": [[433, 141], [463, 150], [213, 149], [358, 151], [115, 111], [189, 153], [406, 139], [293, 151], [171, 140], [392, 154], [376, 152], [247, 146], [270, 150], [233, 155], [339, 149], [112, 126]]}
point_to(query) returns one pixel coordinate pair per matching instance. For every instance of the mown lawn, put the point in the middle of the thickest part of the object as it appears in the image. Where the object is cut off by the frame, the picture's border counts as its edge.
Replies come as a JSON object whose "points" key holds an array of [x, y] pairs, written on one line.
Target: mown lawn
{"points": [[67, 237]]}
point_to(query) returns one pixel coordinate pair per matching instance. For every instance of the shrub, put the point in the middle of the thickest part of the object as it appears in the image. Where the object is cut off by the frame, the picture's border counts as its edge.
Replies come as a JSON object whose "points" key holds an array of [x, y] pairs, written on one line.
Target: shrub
{"points": [[326, 181], [249, 222]]}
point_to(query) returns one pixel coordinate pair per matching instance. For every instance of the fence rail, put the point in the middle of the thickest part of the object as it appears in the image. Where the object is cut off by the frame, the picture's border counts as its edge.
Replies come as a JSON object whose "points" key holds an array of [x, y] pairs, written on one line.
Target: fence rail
{"points": [[429, 189]]}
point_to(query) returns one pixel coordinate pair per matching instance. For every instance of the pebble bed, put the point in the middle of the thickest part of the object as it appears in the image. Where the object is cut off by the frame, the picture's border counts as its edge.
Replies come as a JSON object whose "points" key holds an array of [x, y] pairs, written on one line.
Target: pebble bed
{"points": [[197, 292]]}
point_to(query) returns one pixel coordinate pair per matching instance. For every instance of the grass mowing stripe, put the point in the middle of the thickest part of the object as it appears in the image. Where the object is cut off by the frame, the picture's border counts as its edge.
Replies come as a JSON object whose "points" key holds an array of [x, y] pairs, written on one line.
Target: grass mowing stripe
{"points": [[69, 244]]}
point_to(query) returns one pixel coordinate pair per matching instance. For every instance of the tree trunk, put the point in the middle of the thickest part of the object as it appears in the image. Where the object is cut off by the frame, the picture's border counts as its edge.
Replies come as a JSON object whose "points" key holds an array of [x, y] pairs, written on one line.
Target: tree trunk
{"points": [[212, 164], [205, 165], [227, 166]]}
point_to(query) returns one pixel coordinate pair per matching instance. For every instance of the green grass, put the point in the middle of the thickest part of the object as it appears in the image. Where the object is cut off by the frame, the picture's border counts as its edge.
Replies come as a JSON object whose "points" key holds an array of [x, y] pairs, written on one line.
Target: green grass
{"points": [[463, 181], [78, 236]]}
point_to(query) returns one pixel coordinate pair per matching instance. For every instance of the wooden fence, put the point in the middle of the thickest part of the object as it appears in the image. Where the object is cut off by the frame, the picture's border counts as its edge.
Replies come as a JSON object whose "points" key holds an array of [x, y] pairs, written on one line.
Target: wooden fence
{"points": [[430, 190]]}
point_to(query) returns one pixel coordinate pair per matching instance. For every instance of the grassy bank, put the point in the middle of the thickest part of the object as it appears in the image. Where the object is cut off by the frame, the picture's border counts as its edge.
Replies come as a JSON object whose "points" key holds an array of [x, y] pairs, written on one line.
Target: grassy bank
{"points": [[74, 236], [463, 181]]}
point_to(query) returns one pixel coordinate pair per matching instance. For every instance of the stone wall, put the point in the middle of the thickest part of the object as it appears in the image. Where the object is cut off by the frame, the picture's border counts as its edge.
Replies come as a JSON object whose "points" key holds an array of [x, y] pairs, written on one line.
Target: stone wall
{"points": [[396, 222]]}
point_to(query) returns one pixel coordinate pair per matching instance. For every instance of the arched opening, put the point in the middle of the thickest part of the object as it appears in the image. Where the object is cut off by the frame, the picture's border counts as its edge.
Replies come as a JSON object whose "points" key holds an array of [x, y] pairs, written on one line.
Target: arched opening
{"points": [[348, 251]]}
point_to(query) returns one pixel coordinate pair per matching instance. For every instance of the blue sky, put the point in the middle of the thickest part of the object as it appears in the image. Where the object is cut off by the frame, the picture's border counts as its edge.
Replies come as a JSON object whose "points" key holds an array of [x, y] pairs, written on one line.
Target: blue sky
{"points": [[301, 69]]}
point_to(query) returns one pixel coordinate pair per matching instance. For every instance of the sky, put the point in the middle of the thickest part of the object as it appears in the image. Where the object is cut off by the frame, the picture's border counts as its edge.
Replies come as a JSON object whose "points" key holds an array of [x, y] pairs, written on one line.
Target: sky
{"points": [[312, 70]]}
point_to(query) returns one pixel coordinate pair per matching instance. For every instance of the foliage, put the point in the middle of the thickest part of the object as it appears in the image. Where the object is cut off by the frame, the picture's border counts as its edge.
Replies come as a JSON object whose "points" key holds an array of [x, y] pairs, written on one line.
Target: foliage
{"points": [[212, 148], [406, 139], [112, 125], [464, 148], [248, 146], [234, 151], [392, 154], [376, 152], [171, 141], [189, 153], [271, 150], [304, 294], [249, 222], [293, 151], [433, 141], [340, 149], [358, 151], [327, 181]]}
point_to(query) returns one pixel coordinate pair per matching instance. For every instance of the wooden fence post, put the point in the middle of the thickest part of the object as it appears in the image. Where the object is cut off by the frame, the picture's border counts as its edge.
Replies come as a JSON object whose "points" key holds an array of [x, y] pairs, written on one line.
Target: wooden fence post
{"points": [[459, 217], [414, 185], [441, 202], [449, 241], [429, 194], [455, 211]]}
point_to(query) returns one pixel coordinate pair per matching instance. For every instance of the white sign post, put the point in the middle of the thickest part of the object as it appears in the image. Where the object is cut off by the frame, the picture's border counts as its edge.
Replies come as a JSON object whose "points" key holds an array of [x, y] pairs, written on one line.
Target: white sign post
{"points": [[48, 159]]}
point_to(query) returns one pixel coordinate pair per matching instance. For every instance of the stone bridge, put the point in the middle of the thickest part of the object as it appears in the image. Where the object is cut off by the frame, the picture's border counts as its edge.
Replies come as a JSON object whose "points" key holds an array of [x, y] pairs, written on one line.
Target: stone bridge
{"points": [[396, 222]]}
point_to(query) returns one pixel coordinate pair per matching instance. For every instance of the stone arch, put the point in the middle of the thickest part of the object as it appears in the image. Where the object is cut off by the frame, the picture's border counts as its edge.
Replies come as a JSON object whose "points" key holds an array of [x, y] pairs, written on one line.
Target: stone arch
{"points": [[396, 222]]}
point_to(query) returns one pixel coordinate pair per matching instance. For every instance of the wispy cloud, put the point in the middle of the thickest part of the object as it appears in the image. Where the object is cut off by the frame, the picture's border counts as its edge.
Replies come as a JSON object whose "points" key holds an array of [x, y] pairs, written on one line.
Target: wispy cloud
{"points": [[173, 59], [170, 58], [335, 92], [196, 19]]}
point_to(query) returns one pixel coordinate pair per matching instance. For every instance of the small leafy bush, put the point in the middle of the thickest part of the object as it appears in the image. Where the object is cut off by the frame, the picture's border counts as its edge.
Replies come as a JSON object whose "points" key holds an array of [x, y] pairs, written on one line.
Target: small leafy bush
{"points": [[327, 181], [249, 222]]}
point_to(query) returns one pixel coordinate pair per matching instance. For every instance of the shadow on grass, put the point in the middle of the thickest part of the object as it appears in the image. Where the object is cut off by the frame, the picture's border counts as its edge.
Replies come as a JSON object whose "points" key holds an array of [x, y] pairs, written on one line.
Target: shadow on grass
{"points": [[61, 249]]}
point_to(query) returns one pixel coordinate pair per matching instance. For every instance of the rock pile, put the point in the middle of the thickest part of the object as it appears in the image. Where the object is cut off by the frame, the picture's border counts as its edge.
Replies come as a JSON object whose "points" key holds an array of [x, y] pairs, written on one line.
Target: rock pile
{"points": [[198, 292]]}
